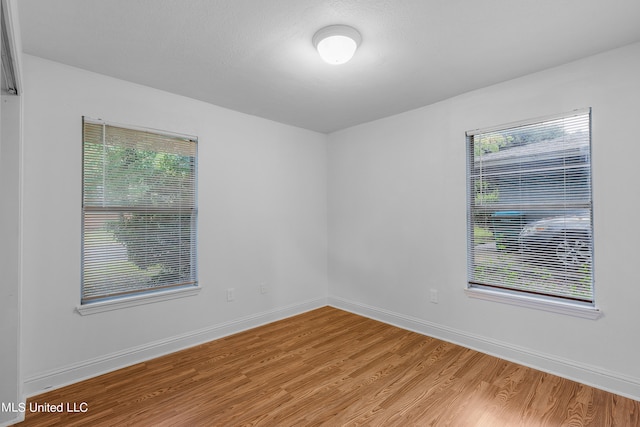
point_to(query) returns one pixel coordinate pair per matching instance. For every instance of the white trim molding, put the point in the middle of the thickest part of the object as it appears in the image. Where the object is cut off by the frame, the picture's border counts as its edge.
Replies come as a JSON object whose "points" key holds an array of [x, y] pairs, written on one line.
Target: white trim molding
{"points": [[20, 415], [546, 304], [146, 298], [594, 376]]}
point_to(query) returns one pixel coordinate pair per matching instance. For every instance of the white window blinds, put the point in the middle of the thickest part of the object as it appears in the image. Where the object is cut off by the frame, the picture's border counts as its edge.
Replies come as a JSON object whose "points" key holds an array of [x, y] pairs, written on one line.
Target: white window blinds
{"points": [[530, 209], [139, 211]]}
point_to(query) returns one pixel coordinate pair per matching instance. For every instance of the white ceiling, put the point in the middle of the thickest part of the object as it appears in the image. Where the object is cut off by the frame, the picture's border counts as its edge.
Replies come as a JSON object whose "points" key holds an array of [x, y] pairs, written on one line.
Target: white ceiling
{"points": [[256, 56]]}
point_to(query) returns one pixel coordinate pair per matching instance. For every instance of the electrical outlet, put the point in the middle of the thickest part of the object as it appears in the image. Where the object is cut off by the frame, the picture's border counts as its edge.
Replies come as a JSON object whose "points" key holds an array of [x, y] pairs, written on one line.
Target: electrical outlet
{"points": [[263, 288], [231, 294], [434, 296]]}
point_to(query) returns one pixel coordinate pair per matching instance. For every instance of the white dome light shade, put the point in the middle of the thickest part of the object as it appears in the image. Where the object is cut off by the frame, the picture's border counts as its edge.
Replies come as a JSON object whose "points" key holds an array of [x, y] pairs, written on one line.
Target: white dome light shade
{"points": [[336, 44], [336, 49]]}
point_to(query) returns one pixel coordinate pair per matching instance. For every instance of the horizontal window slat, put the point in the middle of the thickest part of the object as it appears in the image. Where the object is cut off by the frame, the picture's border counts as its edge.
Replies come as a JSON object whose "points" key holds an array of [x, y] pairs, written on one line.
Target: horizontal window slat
{"points": [[137, 209], [127, 291], [531, 207], [577, 118]]}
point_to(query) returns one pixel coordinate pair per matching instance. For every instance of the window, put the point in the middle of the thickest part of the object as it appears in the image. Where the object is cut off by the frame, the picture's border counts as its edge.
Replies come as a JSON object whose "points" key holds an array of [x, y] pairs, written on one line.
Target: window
{"points": [[139, 211], [530, 209]]}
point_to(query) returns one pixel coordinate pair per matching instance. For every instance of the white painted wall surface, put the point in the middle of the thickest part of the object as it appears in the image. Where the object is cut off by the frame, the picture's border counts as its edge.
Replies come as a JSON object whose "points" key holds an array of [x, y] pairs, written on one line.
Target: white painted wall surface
{"points": [[262, 220], [397, 222], [10, 229], [10, 169]]}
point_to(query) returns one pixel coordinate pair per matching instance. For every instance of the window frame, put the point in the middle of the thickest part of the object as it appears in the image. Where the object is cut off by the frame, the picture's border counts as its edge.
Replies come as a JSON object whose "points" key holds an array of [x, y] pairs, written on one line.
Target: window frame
{"points": [[151, 293], [514, 296]]}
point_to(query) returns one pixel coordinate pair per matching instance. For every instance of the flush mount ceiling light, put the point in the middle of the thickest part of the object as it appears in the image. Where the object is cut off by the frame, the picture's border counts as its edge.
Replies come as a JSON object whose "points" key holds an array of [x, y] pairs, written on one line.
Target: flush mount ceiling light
{"points": [[336, 44]]}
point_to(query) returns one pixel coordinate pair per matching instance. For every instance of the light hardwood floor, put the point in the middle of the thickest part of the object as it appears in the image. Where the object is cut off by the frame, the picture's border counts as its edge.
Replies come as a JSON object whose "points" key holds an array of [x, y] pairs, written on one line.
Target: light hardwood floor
{"points": [[332, 368]]}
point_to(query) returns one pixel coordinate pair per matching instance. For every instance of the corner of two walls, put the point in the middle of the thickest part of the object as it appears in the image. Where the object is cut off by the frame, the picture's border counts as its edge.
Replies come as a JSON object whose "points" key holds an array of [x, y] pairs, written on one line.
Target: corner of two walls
{"points": [[370, 219], [262, 223], [397, 222]]}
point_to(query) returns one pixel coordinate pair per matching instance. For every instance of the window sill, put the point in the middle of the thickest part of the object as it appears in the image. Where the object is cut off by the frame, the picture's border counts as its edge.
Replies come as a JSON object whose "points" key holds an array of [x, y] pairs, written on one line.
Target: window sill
{"points": [[561, 307], [120, 303]]}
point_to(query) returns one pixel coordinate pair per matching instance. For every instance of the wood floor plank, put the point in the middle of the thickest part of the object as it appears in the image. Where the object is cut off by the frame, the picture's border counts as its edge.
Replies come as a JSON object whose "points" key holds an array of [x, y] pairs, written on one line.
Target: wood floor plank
{"points": [[328, 367]]}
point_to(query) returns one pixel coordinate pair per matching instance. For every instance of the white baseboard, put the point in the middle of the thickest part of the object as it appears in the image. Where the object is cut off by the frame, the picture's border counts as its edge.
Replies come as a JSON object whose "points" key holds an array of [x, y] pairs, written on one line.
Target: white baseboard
{"points": [[613, 382], [70, 374], [19, 417]]}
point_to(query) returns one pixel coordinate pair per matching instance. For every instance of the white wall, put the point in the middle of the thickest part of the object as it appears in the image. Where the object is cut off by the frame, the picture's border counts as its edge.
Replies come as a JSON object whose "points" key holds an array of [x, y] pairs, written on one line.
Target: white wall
{"points": [[397, 222], [10, 162], [262, 219], [10, 231]]}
